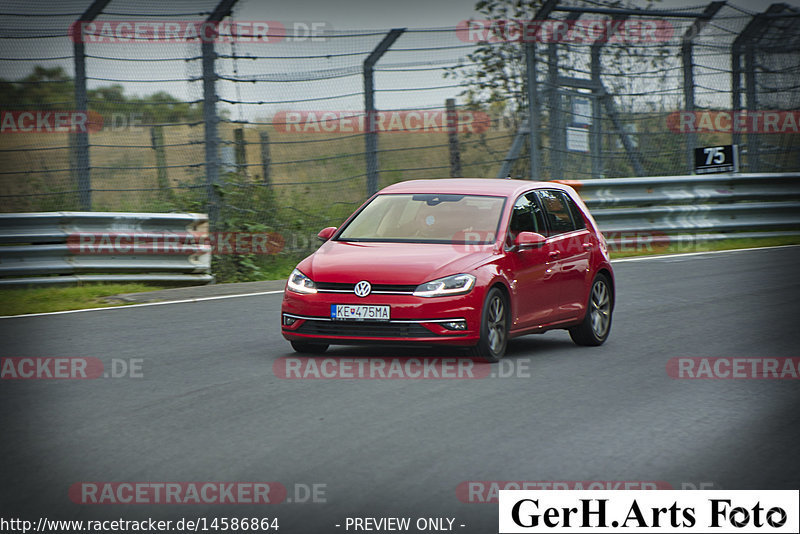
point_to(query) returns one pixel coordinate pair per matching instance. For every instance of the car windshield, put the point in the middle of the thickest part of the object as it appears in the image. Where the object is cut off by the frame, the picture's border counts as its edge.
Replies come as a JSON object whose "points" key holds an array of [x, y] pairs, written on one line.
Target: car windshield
{"points": [[427, 218]]}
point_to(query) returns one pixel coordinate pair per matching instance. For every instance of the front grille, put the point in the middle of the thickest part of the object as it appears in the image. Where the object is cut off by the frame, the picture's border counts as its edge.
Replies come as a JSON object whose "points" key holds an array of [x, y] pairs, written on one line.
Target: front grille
{"points": [[363, 329], [337, 286]]}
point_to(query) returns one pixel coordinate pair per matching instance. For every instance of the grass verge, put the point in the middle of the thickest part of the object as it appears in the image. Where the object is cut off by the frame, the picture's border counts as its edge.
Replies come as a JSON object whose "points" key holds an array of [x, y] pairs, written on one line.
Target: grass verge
{"points": [[17, 301]]}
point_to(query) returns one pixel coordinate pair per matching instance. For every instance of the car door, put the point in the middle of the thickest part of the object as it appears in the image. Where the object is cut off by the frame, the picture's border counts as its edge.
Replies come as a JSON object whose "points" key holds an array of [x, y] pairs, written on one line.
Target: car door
{"points": [[569, 246], [531, 272]]}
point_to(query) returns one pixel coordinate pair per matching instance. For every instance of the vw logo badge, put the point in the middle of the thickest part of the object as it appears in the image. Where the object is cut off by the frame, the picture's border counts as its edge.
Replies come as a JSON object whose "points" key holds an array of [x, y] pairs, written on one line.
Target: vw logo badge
{"points": [[363, 288]]}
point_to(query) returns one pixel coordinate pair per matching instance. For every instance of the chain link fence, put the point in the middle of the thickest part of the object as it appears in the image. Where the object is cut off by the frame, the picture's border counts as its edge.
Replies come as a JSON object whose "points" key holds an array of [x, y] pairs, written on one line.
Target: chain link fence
{"points": [[287, 126]]}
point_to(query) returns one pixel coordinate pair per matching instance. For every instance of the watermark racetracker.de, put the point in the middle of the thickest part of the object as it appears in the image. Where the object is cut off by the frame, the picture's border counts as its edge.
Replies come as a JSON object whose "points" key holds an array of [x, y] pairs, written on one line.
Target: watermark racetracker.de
{"points": [[743, 122], [734, 368], [392, 121], [487, 491], [49, 121], [69, 368], [581, 31], [208, 492], [187, 31], [397, 368], [176, 242], [200, 492], [642, 242], [46, 121]]}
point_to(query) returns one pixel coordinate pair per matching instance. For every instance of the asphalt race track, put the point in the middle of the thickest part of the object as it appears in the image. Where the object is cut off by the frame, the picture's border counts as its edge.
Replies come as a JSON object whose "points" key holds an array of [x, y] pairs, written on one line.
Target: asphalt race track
{"points": [[208, 406]]}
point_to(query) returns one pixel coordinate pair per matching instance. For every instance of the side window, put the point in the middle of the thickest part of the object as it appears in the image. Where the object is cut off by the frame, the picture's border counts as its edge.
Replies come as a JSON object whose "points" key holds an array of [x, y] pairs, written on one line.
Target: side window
{"points": [[577, 216], [526, 216], [538, 214], [557, 212]]}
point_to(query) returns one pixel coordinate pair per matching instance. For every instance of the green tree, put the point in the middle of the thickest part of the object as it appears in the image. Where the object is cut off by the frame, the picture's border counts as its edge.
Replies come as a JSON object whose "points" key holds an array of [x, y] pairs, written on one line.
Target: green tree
{"points": [[52, 88], [42, 89], [496, 69]]}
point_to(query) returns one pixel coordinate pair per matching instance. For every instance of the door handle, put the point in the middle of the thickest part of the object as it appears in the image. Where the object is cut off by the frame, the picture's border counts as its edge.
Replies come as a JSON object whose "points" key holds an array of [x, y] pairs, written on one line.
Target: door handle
{"points": [[587, 246], [554, 255]]}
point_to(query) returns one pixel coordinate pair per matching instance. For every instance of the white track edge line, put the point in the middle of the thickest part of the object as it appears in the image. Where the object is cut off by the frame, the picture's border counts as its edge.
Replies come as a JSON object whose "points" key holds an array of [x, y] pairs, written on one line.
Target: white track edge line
{"points": [[143, 304], [688, 254]]}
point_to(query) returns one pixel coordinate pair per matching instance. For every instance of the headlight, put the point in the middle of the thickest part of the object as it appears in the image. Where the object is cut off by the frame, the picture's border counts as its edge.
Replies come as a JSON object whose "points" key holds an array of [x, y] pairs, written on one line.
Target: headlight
{"points": [[458, 284], [300, 283]]}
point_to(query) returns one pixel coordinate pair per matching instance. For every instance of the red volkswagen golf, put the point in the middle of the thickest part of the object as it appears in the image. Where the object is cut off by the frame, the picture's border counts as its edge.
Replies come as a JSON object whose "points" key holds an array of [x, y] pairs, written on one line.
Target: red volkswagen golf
{"points": [[469, 262]]}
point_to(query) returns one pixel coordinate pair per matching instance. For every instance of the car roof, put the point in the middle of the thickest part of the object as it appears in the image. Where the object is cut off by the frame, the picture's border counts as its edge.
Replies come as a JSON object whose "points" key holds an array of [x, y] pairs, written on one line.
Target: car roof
{"points": [[470, 186]]}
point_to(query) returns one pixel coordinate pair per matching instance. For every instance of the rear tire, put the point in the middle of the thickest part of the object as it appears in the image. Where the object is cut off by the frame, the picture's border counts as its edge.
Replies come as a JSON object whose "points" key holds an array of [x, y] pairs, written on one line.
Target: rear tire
{"points": [[304, 347], [494, 327], [596, 325]]}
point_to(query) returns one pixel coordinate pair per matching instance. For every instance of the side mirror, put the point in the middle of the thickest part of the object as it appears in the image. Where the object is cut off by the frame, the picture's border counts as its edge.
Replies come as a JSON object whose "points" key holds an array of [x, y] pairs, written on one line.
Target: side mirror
{"points": [[529, 240], [326, 233]]}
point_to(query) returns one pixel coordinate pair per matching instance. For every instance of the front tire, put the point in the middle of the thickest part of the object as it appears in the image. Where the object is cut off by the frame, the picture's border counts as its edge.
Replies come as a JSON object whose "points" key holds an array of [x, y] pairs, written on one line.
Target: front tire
{"points": [[596, 325], [304, 347], [494, 327]]}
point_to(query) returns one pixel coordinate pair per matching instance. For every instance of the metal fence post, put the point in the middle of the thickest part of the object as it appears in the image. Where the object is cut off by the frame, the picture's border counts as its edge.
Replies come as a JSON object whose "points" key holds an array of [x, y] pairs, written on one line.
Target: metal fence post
{"points": [[210, 119], [687, 57], [751, 101], [82, 137], [597, 112], [241, 151], [556, 120], [72, 149], [452, 138], [608, 101], [265, 157], [741, 45], [82, 104], [371, 137], [514, 150], [157, 140], [533, 110], [211, 133], [534, 118], [596, 129], [736, 90]]}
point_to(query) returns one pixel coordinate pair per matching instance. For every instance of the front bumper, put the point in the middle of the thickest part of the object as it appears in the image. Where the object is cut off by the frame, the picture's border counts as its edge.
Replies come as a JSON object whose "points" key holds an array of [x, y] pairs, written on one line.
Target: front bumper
{"points": [[415, 320]]}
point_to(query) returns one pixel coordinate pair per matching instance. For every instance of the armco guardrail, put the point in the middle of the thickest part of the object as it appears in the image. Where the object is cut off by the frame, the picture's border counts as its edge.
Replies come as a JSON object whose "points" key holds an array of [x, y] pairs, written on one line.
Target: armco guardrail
{"points": [[698, 207], [49, 248]]}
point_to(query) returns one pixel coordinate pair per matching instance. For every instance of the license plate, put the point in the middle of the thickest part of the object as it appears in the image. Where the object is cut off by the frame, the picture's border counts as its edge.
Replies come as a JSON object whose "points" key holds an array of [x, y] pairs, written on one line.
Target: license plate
{"points": [[359, 312]]}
